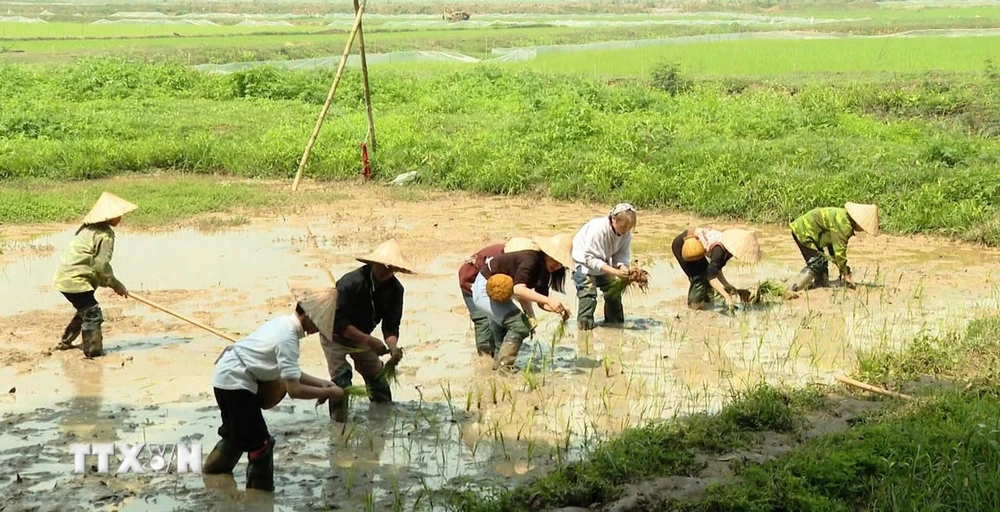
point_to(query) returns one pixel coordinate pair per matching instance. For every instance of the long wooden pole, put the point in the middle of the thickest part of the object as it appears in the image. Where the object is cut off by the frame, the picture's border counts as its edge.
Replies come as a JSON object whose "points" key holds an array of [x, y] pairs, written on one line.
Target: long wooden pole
{"points": [[364, 82], [329, 97], [180, 316], [868, 387]]}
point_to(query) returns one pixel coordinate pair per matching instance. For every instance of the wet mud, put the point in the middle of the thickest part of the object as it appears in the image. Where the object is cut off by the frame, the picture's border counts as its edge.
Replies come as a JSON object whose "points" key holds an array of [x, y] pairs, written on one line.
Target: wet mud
{"points": [[453, 418]]}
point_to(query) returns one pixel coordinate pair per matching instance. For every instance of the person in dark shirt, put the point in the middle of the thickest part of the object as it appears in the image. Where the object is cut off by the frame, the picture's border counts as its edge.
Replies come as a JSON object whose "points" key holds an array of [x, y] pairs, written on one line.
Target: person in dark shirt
{"points": [[702, 253], [366, 297], [467, 276], [544, 266]]}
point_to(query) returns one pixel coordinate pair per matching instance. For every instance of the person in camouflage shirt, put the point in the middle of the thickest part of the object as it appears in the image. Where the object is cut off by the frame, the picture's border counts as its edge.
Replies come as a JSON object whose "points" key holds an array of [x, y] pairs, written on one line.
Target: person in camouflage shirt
{"points": [[829, 230], [86, 266]]}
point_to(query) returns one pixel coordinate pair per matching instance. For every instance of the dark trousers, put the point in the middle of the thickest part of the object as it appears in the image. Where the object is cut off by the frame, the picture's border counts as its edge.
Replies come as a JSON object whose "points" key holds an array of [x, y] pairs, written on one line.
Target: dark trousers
{"points": [[81, 301], [699, 290], [816, 261], [242, 421]]}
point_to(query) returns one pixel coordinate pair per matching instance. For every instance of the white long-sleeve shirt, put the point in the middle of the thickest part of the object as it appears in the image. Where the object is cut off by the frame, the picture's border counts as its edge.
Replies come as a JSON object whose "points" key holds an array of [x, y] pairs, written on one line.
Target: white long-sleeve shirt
{"points": [[596, 245]]}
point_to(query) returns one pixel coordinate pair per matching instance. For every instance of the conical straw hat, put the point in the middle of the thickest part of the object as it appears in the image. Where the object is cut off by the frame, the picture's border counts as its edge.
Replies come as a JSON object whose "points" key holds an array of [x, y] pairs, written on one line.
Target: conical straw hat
{"points": [[320, 305], [865, 215], [558, 247], [388, 254], [520, 244], [107, 207], [742, 244]]}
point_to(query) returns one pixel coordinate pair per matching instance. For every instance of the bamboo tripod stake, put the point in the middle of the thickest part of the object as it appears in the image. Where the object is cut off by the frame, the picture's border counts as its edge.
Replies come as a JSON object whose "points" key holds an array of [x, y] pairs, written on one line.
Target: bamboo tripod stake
{"points": [[329, 97], [364, 82]]}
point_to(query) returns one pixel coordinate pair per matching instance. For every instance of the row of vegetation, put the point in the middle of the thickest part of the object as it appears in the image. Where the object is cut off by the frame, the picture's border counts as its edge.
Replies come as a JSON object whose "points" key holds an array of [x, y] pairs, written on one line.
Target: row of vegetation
{"points": [[923, 148], [938, 452]]}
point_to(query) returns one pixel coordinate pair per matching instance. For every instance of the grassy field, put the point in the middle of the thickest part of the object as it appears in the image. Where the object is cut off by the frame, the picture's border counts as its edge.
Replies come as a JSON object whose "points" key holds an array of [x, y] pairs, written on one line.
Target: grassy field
{"points": [[762, 58], [924, 148]]}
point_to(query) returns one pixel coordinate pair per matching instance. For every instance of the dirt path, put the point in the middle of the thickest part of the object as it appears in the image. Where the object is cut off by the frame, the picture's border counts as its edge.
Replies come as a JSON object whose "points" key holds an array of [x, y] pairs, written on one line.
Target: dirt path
{"points": [[453, 416]]}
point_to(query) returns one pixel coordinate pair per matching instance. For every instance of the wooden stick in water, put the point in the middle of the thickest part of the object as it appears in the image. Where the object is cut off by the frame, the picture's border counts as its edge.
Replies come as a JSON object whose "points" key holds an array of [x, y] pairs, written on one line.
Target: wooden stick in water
{"points": [[868, 387], [180, 316]]}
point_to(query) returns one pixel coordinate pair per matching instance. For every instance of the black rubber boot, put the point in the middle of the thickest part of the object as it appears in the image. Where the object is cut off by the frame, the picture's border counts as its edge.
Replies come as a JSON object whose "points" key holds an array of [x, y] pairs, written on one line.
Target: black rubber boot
{"points": [[223, 458], [338, 410], [93, 343], [379, 390], [260, 469], [614, 312], [71, 333]]}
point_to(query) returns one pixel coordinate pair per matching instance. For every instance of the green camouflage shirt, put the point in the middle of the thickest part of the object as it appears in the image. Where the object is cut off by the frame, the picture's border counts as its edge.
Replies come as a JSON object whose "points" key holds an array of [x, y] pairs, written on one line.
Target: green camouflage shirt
{"points": [[823, 227], [86, 265]]}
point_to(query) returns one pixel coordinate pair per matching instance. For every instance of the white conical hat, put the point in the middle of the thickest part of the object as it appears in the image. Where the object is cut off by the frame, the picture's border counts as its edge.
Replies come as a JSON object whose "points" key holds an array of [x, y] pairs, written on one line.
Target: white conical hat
{"points": [[866, 215], [742, 244], [388, 254], [558, 247], [520, 244], [107, 207], [320, 305]]}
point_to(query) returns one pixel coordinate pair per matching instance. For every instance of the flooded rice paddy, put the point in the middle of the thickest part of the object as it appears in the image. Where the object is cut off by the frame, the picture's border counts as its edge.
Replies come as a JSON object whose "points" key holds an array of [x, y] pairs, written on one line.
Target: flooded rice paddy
{"points": [[453, 418]]}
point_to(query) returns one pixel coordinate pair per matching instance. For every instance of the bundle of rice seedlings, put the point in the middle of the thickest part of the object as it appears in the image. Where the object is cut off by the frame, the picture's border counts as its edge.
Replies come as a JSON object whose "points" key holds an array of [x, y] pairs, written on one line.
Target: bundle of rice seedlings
{"points": [[637, 277], [388, 372], [768, 290]]}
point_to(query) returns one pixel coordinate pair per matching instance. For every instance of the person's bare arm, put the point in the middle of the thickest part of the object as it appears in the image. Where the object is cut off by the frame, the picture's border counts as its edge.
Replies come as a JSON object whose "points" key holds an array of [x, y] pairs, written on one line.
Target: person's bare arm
{"points": [[299, 390], [309, 380]]}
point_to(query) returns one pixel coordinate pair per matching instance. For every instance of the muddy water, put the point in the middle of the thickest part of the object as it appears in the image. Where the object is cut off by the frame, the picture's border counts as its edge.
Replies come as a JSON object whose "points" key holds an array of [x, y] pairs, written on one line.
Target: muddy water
{"points": [[453, 418]]}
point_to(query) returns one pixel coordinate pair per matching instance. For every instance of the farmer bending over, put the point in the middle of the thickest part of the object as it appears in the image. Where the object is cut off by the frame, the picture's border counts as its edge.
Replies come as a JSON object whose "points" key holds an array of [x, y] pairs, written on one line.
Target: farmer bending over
{"points": [[85, 266], [545, 261], [829, 229], [367, 296], [702, 253], [267, 354], [602, 250], [467, 276]]}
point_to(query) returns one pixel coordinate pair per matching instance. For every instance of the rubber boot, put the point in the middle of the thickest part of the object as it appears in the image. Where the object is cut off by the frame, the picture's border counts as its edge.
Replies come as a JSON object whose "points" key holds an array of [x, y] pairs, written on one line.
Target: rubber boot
{"points": [[518, 328], [223, 458], [260, 469], [338, 410], [71, 333], [803, 281], [614, 312], [586, 306], [379, 391], [93, 343]]}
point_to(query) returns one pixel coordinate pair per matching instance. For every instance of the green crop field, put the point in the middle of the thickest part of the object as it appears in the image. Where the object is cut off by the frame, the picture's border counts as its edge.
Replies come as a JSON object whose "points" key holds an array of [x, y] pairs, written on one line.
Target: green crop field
{"points": [[784, 57], [755, 131]]}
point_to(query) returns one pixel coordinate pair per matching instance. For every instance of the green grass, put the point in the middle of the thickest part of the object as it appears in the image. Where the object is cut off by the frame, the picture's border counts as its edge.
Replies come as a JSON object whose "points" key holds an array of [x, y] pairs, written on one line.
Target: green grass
{"points": [[163, 200], [971, 357], [924, 148], [659, 449], [938, 452], [769, 58]]}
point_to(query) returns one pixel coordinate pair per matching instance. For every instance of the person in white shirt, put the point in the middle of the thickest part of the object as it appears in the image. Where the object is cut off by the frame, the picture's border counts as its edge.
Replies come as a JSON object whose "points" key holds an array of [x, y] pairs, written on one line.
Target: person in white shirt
{"points": [[602, 250], [267, 354]]}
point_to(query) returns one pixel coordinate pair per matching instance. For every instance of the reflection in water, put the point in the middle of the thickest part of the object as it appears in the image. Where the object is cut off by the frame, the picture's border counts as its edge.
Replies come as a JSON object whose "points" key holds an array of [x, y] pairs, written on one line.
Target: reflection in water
{"points": [[83, 416]]}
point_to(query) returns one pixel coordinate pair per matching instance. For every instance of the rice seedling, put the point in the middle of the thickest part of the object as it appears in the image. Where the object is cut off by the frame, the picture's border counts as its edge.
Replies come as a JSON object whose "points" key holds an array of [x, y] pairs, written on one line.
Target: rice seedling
{"points": [[770, 290], [637, 278]]}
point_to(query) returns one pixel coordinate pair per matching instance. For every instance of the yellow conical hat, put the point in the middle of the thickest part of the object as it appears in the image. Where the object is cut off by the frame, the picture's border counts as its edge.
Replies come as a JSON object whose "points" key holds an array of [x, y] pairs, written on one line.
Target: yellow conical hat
{"points": [[520, 244], [742, 244], [866, 215], [559, 248], [320, 305], [107, 207], [388, 254]]}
